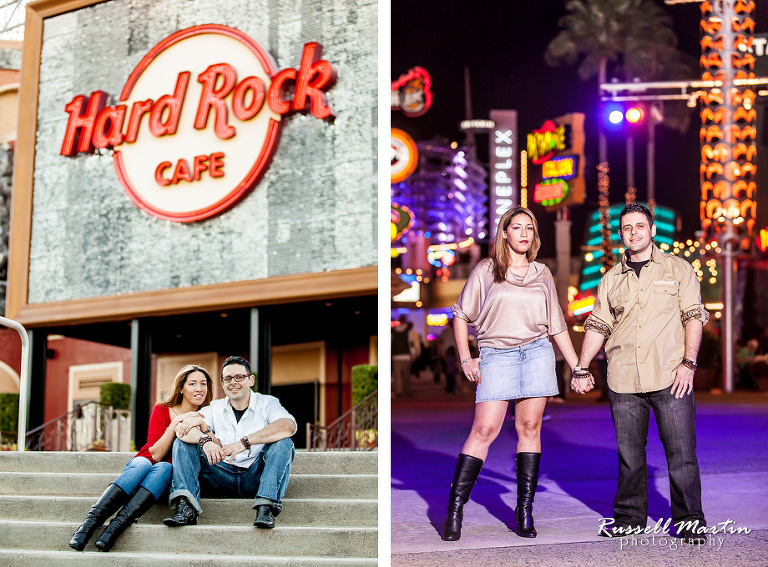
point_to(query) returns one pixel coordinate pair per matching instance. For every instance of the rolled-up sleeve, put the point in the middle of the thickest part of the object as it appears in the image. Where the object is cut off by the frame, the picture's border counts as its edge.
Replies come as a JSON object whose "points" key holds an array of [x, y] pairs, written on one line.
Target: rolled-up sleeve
{"points": [[690, 297], [601, 320], [273, 411], [470, 299]]}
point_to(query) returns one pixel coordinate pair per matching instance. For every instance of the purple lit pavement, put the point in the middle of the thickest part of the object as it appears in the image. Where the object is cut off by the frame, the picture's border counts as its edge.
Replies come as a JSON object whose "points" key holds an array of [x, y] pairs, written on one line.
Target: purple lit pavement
{"points": [[577, 483]]}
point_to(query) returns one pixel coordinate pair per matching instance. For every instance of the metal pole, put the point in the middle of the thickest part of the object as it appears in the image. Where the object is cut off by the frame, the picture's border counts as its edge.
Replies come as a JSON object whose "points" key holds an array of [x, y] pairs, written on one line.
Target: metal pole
{"points": [[728, 311], [630, 161], [651, 167], [21, 444]]}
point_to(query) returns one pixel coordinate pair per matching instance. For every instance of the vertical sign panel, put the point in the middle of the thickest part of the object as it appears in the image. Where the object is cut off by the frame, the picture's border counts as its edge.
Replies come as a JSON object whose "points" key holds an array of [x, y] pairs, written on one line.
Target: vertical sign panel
{"points": [[503, 165]]}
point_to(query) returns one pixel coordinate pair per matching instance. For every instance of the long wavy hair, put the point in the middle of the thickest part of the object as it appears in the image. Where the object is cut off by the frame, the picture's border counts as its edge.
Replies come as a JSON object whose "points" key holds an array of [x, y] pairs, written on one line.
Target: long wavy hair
{"points": [[501, 257], [174, 396]]}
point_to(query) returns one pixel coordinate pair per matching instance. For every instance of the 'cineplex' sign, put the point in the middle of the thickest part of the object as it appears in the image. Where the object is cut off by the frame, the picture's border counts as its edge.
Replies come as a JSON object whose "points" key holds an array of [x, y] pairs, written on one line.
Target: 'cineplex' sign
{"points": [[199, 119]]}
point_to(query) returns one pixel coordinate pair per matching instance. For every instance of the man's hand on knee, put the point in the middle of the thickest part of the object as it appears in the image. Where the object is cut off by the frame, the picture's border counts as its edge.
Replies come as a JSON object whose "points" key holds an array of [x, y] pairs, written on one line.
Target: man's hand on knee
{"points": [[233, 449], [213, 453]]}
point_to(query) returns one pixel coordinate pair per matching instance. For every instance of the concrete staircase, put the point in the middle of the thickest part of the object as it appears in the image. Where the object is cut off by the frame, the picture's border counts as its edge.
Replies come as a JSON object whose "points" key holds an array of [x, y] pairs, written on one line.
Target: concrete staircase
{"points": [[329, 516]]}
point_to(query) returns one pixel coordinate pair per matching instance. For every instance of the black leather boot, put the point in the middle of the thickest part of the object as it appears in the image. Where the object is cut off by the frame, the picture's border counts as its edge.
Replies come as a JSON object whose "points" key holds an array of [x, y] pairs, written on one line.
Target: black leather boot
{"points": [[467, 470], [108, 504], [141, 501], [185, 515], [527, 479]]}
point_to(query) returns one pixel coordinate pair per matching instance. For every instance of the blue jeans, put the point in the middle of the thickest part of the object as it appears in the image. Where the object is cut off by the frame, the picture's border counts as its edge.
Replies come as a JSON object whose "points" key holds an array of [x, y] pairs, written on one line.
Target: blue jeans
{"points": [[141, 472], [266, 479], [675, 419]]}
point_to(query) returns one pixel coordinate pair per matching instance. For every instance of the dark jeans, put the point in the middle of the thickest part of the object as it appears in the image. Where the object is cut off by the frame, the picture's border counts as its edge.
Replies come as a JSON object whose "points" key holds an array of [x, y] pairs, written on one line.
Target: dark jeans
{"points": [[675, 419]]}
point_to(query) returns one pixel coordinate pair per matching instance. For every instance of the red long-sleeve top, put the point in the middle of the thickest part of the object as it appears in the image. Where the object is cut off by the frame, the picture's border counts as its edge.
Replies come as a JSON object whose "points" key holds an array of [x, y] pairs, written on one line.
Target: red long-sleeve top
{"points": [[158, 423]]}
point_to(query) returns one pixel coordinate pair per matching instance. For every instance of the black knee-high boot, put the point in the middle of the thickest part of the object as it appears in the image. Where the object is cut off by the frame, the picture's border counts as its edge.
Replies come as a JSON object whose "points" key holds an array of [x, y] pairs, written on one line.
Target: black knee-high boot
{"points": [[527, 479], [108, 504], [141, 501], [467, 470]]}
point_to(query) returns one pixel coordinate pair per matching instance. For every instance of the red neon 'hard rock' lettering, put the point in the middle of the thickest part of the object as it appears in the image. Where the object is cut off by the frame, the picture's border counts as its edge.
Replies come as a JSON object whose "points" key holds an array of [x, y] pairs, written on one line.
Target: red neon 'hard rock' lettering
{"points": [[212, 98], [79, 134], [315, 76], [88, 130], [173, 103]]}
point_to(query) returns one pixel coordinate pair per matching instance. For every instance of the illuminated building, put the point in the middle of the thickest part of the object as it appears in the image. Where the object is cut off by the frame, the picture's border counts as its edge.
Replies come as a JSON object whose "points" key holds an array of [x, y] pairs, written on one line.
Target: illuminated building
{"points": [[728, 117]]}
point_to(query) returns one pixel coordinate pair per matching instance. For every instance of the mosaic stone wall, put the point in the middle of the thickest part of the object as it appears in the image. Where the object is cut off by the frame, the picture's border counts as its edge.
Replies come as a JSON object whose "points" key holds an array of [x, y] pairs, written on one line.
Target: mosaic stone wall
{"points": [[313, 211]]}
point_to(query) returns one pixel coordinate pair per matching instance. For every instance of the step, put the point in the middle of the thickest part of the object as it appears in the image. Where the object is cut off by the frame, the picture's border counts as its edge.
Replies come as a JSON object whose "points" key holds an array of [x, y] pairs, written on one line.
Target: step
{"points": [[315, 462], [363, 486], [32, 558], [234, 511], [203, 539]]}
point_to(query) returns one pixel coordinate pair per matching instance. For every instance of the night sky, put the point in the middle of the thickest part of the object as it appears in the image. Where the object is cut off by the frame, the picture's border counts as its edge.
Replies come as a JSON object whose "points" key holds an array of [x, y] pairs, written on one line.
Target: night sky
{"points": [[503, 43]]}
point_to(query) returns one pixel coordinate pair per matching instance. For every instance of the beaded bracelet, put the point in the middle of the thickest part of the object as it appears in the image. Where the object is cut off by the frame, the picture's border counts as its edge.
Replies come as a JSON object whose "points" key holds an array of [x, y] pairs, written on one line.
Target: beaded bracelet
{"points": [[466, 360], [688, 363]]}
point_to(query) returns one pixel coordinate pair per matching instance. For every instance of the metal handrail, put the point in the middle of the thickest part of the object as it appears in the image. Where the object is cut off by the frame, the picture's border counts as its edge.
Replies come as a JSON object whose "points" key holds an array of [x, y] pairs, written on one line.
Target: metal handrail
{"points": [[64, 433], [355, 430], [23, 381]]}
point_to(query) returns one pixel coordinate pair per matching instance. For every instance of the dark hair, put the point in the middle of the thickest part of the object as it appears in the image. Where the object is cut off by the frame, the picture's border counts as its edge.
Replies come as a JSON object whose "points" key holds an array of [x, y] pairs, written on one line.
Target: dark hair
{"points": [[636, 208], [236, 360]]}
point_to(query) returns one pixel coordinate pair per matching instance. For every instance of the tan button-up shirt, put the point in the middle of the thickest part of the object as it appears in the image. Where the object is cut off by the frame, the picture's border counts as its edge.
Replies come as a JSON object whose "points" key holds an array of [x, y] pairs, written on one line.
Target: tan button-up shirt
{"points": [[644, 319]]}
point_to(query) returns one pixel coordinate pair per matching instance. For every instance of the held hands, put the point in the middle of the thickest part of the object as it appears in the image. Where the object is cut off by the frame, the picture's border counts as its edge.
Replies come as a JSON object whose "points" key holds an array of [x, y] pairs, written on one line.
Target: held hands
{"points": [[582, 382], [193, 420], [683, 384], [471, 369]]}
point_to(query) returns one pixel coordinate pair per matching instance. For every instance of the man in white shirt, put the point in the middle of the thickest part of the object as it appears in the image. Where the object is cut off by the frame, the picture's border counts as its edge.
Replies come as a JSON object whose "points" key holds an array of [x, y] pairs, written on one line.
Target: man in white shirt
{"points": [[240, 448]]}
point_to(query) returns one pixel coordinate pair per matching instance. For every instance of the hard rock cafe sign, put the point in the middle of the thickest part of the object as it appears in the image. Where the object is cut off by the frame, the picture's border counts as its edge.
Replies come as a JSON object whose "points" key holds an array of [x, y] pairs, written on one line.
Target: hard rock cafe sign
{"points": [[198, 119]]}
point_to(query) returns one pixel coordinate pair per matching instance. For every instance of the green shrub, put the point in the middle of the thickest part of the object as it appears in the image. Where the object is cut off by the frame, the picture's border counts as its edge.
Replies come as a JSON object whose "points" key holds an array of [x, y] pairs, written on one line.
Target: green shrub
{"points": [[9, 413], [116, 395], [365, 380]]}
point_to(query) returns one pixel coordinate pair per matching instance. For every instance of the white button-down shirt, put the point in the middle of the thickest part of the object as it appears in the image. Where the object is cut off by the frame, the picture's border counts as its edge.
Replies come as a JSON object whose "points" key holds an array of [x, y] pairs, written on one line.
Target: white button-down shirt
{"points": [[262, 410]]}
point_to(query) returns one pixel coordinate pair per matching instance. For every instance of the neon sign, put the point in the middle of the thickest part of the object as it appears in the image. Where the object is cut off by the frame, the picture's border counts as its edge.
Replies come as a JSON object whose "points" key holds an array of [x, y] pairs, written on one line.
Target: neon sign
{"points": [[562, 167], [503, 163], [404, 156], [550, 192], [412, 92], [186, 164], [581, 306], [762, 240], [544, 142], [437, 319]]}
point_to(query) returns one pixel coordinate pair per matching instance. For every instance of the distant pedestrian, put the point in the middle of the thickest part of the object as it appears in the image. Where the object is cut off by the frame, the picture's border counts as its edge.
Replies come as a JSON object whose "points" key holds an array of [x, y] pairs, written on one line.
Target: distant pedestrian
{"points": [[406, 347], [512, 302]]}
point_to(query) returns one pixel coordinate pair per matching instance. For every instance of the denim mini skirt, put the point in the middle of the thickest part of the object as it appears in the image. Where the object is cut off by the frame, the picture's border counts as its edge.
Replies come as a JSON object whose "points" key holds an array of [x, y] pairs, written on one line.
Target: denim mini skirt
{"points": [[526, 371]]}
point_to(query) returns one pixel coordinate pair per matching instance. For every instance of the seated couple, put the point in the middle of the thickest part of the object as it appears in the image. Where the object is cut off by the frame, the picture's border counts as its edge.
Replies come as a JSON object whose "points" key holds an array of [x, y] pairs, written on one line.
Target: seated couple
{"points": [[235, 447]]}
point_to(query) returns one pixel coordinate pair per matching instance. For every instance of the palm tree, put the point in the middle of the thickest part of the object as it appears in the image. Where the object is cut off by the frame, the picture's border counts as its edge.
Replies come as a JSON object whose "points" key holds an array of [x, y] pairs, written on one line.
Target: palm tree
{"points": [[636, 35]]}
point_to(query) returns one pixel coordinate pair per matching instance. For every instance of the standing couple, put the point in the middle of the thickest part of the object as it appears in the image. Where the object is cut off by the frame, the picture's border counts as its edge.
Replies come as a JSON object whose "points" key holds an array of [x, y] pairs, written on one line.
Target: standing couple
{"points": [[235, 447], [649, 309]]}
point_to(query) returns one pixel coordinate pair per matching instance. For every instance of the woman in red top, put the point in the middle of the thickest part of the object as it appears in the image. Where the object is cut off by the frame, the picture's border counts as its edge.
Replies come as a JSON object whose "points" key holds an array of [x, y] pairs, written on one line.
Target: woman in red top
{"points": [[147, 476]]}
